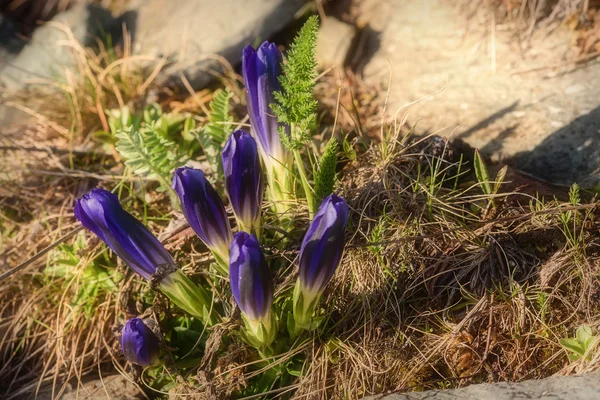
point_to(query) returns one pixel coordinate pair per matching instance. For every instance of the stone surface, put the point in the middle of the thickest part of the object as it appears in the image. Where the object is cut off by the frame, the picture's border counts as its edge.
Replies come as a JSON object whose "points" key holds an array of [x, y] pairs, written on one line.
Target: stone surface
{"points": [[196, 35], [335, 40], [50, 52], [114, 387], [10, 42], [585, 387], [524, 103]]}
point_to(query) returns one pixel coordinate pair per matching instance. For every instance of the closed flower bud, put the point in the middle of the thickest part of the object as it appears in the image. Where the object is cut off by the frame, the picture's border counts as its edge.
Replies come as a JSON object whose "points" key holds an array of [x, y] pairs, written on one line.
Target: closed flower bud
{"points": [[243, 178], [204, 210], [320, 254], [139, 343], [252, 287], [323, 244], [261, 69], [101, 212]]}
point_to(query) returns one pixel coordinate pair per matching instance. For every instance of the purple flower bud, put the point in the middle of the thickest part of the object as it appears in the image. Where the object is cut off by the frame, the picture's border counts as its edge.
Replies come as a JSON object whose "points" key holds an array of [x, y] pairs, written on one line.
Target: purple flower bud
{"points": [[139, 343], [101, 212], [203, 209], [243, 178], [323, 245], [250, 277], [261, 70]]}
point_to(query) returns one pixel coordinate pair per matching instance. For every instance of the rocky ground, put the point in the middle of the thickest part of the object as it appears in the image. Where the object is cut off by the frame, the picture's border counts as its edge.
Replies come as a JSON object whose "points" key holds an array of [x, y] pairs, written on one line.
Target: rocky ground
{"points": [[555, 388], [519, 100]]}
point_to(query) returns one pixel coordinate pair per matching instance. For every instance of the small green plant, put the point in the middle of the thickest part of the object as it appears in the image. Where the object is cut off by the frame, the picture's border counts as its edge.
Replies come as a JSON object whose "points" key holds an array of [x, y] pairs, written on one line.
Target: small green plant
{"points": [[149, 154], [295, 104], [488, 187], [571, 221], [542, 303], [582, 345], [481, 172], [153, 141], [213, 135], [348, 151], [93, 282], [325, 174]]}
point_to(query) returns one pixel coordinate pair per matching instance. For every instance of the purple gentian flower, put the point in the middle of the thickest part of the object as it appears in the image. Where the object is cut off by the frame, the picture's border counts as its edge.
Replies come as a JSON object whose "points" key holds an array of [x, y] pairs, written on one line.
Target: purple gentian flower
{"points": [[203, 209], [139, 343], [101, 212], [250, 277], [243, 178], [261, 69], [323, 245]]}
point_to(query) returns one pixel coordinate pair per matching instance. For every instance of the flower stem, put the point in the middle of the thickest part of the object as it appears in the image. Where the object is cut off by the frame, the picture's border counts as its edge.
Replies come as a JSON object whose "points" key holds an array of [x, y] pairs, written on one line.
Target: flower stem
{"points": [[222, 263], [188, 296], [276, 194], [305, 183]]}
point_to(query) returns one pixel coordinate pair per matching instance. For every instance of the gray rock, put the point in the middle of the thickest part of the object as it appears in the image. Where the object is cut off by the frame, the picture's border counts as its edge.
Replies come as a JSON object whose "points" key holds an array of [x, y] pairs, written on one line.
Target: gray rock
{"points": [[50, 53], [11, 44], [335, 40], [527, 106], [586, 387], [196, 35], [10, 41], [114, 387]]}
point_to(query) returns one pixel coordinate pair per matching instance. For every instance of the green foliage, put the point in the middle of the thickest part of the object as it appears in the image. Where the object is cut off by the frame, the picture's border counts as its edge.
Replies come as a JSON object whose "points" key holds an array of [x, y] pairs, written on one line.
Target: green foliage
{"points": [[296, 105], [93, 283], [154, 142], [481, 172], [168, 125], [348, 151], [569, 216], [571, 221], [213, 136], [149, 154], [119, 119], [220, 126], [325, 175], [542, 303], [500, 176], [574, 196], [582, 345]]}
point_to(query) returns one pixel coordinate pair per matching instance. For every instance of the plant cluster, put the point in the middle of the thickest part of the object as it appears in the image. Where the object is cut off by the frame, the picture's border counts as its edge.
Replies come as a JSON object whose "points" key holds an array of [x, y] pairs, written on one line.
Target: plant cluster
{"points": [[270, 323]]}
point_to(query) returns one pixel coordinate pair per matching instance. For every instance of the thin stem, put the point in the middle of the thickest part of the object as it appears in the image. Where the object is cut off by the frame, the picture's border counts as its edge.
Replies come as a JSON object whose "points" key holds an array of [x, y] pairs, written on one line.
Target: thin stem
{"points": [[275, 193], [222, 263], [305, 184]]}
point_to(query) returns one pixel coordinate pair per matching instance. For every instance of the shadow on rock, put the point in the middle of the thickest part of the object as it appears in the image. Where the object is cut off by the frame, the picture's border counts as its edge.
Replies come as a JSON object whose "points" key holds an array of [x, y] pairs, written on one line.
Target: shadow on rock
{"points": [[570, 154]]}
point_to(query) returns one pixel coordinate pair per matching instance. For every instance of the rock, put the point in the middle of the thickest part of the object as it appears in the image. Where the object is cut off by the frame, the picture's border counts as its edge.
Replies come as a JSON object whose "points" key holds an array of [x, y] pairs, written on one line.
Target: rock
{"points": [[48, 54], [10, 41], [521, 106], [335, 40], [196, 35], [10, 45], [586, 387], [114, 387]]}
